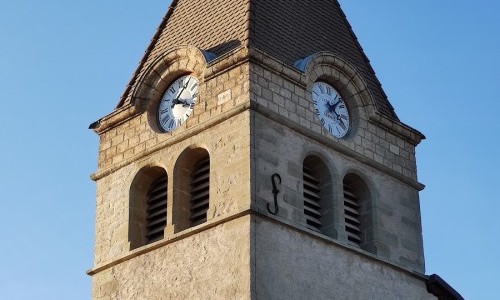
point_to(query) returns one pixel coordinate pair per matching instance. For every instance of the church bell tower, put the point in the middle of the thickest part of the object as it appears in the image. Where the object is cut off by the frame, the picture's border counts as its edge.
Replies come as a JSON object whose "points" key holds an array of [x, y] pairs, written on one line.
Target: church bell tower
{"points": [[254, 155]]}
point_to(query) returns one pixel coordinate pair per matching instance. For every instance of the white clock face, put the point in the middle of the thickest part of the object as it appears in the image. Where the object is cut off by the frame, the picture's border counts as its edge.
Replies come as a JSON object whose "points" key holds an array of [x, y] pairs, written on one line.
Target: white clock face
{"points": [[331, 109], [177, 103]]}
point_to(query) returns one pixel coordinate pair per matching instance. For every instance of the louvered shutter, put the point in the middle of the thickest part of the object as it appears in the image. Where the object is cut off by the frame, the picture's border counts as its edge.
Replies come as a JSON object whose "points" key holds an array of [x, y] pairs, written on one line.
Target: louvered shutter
{"points": [[200, 189], [352, 215], [156, 212], [312, 200]]}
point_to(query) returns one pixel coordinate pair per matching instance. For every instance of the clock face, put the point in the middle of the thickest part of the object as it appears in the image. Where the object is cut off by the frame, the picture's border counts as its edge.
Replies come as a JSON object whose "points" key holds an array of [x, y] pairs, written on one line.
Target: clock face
{"points": [[177, 103], [331, 109]]}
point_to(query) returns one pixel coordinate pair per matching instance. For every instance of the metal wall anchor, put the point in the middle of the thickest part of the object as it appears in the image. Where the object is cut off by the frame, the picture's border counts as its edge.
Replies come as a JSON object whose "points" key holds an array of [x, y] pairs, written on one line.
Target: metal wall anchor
{"points": [[275, 177]]}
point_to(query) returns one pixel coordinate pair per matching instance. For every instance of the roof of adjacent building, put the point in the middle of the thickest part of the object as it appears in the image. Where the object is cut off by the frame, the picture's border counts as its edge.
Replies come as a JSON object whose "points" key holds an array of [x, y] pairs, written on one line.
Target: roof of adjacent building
{"points": [[288, 30]]}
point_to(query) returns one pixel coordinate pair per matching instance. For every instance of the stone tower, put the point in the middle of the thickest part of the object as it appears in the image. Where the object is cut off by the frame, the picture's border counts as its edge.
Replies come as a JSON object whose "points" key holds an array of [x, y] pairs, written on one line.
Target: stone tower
{"points": [[254, 155]]}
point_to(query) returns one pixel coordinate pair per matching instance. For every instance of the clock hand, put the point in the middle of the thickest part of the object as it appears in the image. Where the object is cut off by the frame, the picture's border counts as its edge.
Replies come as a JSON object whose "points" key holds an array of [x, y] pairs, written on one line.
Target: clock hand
{"points": [[331, 108], [188, 102], [176, 100], [336, 104]]}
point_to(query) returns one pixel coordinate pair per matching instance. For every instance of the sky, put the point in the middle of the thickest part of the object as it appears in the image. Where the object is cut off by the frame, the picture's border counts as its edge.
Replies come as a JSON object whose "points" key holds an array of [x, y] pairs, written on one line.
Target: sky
{"points": [[64, 64]]}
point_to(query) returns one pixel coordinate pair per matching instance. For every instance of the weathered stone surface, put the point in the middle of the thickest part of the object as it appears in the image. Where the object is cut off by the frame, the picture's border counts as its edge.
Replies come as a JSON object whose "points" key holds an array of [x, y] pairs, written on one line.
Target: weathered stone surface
{"points": [[386, 192], [291, 265], [212, 264], [229, 149]]}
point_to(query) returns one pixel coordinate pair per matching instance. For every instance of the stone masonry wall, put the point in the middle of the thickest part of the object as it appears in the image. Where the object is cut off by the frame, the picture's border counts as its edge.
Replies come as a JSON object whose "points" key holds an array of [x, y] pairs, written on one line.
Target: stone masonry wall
{"points": [[219, 123], [397, 235], [228, 145], [286, 130], [218, 95], [212, 264], [292, 101], [322, 270]]}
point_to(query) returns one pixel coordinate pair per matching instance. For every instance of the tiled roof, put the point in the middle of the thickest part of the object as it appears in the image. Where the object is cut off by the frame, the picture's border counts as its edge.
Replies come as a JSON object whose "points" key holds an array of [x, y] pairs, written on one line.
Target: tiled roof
{"points": [[285, 29]]}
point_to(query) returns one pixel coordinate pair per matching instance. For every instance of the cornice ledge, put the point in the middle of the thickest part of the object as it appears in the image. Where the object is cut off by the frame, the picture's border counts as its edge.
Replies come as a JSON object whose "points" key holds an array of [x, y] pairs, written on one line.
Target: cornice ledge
{"points": [[168, 240], [101, 173], [266, 112], [117, 117], [402, 130]]}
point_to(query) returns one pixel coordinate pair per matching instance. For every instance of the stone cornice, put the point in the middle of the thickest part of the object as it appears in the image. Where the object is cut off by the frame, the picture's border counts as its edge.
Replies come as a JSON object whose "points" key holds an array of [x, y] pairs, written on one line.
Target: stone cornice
{"points": [[336, 146], [256, 213], [175, 139]]}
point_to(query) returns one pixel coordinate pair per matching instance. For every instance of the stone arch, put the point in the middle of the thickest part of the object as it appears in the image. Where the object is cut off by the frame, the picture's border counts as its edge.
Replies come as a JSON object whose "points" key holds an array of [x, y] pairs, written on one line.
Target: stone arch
{"points": [[170, 65], [333, 69], [316, 169], [357, 183], [184, 169], [138, 198]]}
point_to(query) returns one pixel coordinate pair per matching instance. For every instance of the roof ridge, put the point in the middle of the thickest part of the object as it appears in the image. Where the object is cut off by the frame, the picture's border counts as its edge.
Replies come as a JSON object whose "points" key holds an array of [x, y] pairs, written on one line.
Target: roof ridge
{"points": [[250, 23]]}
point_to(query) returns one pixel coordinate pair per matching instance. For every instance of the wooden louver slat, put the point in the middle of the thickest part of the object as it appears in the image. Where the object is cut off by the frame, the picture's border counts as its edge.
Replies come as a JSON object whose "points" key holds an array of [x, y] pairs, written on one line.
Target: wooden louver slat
{"points": [[156, 211], [312, 200], [352, 216], [200, 191]]}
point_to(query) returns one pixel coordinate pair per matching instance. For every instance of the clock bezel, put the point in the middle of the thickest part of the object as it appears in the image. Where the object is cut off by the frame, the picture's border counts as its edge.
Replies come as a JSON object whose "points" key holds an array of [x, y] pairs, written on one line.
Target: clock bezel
{"points": [[159, 125]]}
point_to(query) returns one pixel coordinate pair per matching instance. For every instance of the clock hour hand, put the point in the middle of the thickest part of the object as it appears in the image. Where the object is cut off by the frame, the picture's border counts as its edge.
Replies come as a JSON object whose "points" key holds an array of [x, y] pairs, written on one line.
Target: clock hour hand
{"points": [[188, 102], [176, 100], [331, 108], [337, 103]]}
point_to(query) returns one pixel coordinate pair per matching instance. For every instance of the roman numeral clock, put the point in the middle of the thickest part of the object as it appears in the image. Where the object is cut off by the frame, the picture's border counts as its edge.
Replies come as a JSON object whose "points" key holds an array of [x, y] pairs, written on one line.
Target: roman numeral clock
{"points": [[177, 103], [331, 109]]}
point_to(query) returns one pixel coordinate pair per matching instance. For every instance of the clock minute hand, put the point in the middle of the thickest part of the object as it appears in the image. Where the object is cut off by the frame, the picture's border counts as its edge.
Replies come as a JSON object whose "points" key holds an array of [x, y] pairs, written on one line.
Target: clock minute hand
{"points": [[336, 104], [176, 100]]}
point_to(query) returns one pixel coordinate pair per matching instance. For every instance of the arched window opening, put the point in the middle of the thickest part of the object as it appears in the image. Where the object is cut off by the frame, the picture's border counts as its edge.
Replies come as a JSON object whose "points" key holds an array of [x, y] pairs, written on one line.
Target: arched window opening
{"points": [[148, 206], [318, 196], [191, 189], [356, 213]]}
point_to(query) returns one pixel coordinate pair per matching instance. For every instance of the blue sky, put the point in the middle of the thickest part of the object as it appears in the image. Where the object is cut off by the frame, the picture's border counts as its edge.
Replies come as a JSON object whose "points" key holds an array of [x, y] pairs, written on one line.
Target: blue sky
{"points": [[64, 64]]}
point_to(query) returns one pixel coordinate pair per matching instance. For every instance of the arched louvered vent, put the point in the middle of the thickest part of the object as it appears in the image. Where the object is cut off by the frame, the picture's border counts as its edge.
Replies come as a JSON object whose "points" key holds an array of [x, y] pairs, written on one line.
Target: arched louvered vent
{"points": [[200, 189], [352, 215], [156, 212], [312, 200]]}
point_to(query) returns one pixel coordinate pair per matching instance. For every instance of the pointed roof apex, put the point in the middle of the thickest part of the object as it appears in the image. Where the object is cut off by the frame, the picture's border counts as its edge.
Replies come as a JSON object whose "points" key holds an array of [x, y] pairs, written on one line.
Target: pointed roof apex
{"points": [[287, 30]]}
